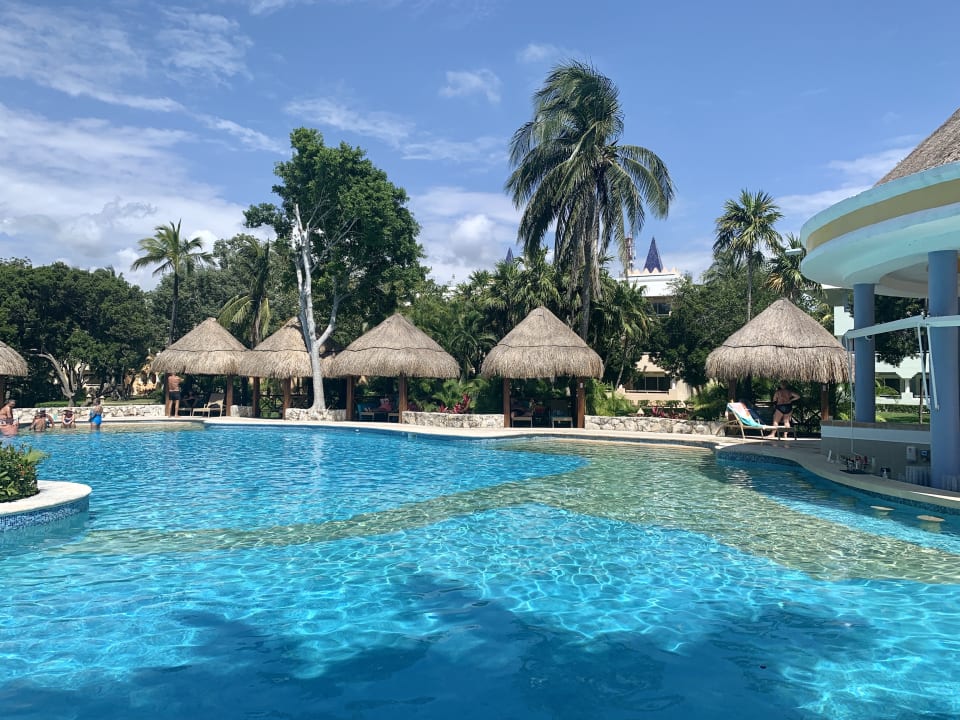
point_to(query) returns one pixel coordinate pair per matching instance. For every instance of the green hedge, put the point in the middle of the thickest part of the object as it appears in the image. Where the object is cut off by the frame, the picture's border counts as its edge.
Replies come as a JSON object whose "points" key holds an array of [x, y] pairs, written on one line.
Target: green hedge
{"points": [[18, 472]]}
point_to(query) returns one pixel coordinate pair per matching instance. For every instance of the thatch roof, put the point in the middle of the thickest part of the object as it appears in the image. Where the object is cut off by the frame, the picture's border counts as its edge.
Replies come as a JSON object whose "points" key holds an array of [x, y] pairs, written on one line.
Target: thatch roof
{"points": [[393, 348], [782, 342], [11, 362], [208, 349], [940, 148], [284, 355], [541, 346]]}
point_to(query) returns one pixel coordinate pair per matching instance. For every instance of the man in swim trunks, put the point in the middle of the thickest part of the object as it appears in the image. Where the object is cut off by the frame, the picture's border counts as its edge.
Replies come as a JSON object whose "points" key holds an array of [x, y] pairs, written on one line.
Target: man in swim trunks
{"points": [[173, 388], [783, 400], [6, 412]]}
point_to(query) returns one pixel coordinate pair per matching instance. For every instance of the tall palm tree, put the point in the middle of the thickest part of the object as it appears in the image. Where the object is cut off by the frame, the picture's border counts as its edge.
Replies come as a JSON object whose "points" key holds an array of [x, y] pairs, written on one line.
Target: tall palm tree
{"points": [[250, 311], [570, 169], [174, 254], [746, 228]]}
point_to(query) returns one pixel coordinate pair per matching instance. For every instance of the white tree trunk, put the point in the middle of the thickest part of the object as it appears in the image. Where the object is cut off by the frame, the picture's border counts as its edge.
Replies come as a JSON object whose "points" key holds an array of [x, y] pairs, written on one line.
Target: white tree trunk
{"points": [[300, 237], [68, 382]]}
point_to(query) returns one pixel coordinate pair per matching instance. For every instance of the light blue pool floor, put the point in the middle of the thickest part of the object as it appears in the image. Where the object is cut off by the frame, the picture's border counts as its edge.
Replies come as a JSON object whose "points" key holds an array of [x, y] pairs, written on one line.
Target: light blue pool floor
{"points": [[631, 582]]}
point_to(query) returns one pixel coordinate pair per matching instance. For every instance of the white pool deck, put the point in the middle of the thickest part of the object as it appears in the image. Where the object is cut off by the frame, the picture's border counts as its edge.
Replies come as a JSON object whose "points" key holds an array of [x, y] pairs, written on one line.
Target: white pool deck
{"points": [[804, 452]]}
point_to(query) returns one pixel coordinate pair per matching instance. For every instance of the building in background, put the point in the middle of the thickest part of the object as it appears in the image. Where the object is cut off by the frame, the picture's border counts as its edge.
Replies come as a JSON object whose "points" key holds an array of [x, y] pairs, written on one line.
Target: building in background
{"points": [[654, 384]]}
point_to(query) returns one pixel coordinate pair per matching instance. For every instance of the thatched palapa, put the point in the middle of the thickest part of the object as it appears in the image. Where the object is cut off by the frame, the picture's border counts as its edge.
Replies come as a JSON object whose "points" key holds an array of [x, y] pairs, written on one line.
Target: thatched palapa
{"points": [[284, 355], [394, 348], [940, 148], [541, 346], [208, 349], [11, 362], [782, 342]]}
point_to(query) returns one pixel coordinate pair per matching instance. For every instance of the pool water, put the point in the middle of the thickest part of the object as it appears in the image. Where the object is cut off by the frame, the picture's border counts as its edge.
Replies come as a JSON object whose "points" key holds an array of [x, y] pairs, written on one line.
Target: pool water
{"points": [[285, 573]]}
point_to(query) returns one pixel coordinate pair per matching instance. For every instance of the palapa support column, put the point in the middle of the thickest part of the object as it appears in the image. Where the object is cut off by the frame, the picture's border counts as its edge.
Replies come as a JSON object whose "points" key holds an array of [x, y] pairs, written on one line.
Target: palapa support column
{"points": [[228, 397], [581, 403], [166, 395], [506, 402], [824, 402], [349, 401], [403, 398], [255, 396], [285, 383]]}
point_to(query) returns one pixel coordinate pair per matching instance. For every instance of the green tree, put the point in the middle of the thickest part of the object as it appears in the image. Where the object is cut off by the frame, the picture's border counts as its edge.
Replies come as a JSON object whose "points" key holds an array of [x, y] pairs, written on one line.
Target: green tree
{"points": [[745, 229], [363, 254], [248, 312], [621, 325], [784, 276], [174, 254], [72, 326], [570, 168]]}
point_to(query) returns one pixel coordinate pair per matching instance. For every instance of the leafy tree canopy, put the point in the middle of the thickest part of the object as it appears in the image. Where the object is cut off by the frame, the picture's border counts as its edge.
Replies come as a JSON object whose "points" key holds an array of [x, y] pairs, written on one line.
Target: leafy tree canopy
{"points": [[366, 246]]}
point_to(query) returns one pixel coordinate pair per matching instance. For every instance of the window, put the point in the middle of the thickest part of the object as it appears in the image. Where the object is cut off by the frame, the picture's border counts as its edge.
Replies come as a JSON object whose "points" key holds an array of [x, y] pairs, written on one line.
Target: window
{"points": [[654, 383]]}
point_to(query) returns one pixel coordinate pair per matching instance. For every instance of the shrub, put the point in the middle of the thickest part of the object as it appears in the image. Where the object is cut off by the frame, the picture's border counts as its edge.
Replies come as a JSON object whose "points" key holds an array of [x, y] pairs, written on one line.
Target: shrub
{"points": [[18, 472]]}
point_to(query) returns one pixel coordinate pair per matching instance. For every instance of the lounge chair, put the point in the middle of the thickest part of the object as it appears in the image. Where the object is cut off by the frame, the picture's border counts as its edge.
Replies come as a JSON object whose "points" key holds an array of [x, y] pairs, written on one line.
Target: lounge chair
{"points": [[560, 413], [739, 416], [214, 403]]}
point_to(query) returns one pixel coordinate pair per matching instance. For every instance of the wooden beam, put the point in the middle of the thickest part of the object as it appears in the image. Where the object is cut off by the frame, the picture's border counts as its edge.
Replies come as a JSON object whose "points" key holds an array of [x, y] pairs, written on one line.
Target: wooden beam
{"points": [[349, 414], [403, 398], [506, 402]]}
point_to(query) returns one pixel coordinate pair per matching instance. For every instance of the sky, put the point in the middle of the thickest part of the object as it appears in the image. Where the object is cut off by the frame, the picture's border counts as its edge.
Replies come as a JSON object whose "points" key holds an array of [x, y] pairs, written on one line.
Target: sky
{"points": [[117, 116]]}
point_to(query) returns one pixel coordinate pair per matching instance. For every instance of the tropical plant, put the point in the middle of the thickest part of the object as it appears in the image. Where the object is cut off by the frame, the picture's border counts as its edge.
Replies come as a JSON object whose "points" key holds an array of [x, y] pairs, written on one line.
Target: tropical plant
{"points": [[571, 169], [18, 472], [784, 276], [174, 254], [250, 311], [745, 229]]}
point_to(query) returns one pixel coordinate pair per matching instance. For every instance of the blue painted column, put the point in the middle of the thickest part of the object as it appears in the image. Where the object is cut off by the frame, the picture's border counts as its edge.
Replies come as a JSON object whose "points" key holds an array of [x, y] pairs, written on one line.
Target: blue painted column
{"points": [[864, 356], [945, 420]]}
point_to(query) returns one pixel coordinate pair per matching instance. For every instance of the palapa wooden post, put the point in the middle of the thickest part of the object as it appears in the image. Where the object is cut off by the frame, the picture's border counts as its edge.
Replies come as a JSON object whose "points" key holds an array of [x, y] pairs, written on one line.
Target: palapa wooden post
{"points": [[228, 397], [286, 398], [581, 403], [166, 395], [349, 401], [824, 402], [403, 398], [506, 402], [255, 396]]}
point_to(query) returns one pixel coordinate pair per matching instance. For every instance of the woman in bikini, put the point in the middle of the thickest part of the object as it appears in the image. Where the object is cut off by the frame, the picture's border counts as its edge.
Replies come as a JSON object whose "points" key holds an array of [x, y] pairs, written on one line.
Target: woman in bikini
{"points": [[783, 400]]}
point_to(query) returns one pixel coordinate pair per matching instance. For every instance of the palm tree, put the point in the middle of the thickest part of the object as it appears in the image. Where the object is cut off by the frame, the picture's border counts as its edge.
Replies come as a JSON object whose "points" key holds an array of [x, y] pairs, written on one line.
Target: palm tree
{"points": [[785, 277], [250, 311], [745, 229], [172, 253], [570, 169]]}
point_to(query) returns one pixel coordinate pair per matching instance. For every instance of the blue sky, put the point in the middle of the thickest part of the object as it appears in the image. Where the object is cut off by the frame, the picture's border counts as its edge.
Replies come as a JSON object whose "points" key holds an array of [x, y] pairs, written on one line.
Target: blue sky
{"points": [[117, 116]]}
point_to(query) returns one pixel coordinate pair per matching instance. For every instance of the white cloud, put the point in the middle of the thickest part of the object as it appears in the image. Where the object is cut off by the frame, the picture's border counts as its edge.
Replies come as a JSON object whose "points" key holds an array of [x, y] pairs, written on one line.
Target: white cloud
{"points": [[856, 176], [543, 53], [85, 191], [203, 45], [463, 231], [463, 83], [252, 139], [397, 132], [387, 127]]}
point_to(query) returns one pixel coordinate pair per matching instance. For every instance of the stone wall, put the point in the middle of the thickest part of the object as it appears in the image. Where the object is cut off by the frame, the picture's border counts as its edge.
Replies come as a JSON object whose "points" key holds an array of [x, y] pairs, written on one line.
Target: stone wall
{"points": [[631, 423], [301, 414], [453, 420], [25, 415]]}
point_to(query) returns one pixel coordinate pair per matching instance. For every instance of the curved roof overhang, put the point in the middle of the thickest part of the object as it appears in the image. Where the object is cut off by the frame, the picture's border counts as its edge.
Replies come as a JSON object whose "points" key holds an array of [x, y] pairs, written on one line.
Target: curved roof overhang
{"points": [[883, 235]]}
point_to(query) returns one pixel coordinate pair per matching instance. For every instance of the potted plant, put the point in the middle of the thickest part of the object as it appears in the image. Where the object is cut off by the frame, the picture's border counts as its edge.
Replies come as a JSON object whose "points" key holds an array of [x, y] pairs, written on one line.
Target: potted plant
{"points": [[18, 472]]}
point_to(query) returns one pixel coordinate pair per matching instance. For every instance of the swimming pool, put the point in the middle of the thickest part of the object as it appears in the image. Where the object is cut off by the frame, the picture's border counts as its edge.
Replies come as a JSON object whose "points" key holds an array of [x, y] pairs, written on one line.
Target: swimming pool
{"points": [[300, 573]]}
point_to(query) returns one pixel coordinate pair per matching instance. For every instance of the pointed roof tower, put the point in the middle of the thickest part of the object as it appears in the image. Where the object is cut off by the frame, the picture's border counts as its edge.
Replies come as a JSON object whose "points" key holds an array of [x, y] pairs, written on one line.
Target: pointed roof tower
{"points": [[509, 257], [653, 263]]}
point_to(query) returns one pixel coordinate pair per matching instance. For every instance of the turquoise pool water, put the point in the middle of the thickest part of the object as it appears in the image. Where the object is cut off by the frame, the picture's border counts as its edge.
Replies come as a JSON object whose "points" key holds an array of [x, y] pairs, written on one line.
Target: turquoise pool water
{"points": [[266, 573]]}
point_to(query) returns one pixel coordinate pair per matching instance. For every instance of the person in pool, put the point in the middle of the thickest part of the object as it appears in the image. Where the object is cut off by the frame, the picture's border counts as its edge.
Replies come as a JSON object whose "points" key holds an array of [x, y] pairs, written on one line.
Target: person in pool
{"points": [[96, 414], [69, 419]]}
